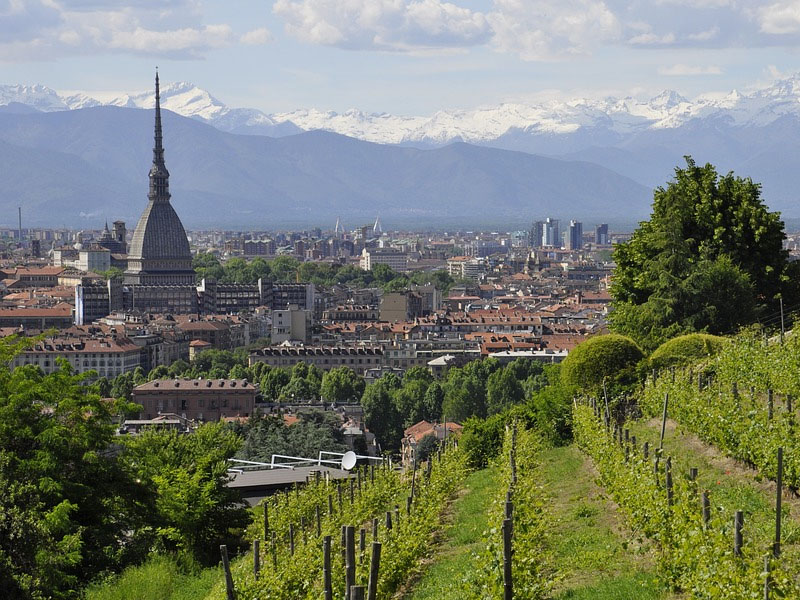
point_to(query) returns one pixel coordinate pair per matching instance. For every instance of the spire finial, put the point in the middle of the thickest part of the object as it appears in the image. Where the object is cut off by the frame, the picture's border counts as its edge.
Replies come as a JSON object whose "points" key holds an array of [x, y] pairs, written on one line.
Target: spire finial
{"points": [[159, 176]]}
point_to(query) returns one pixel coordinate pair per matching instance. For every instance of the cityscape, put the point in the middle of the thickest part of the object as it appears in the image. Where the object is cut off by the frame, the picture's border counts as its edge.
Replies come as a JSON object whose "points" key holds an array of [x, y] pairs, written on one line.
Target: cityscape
{"points": [[538, 348]]}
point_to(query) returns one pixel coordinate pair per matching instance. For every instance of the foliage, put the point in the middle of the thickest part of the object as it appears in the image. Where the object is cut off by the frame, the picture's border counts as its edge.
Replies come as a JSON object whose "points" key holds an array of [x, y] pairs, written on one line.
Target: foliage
{"points": [[503, 389], [183, 478], [734, 414], [533, 577], [695, 559], [710, 258], [63, 500], [426, 448], [315, 431], [159, 578], [611, 358], [381, 415], [685, 349], [342, 385], [481, 440]]}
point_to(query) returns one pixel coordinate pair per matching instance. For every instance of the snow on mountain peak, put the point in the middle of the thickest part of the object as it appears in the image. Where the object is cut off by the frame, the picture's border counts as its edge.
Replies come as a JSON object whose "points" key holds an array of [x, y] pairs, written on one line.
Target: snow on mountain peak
{"points": [[618, 116]]}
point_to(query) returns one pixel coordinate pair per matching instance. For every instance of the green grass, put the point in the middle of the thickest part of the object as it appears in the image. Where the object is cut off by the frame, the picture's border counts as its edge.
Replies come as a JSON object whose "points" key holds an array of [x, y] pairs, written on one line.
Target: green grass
{"points": [[453, 558], [590, 547], [637, 586], [160, 578]]}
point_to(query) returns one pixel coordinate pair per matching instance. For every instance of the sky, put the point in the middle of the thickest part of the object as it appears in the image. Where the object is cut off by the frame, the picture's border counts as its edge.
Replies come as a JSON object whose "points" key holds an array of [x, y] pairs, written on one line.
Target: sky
{"points": [[407, 57]]}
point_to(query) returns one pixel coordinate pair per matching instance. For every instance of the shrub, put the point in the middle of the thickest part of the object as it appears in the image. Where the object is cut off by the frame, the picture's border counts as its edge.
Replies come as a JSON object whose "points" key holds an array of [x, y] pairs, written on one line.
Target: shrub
{"points": [[605, 357], [686, 349]]}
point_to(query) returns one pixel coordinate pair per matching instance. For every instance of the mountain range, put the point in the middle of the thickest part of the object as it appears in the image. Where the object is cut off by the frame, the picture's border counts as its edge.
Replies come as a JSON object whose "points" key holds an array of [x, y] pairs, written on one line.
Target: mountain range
{"points": [[754, 134]]}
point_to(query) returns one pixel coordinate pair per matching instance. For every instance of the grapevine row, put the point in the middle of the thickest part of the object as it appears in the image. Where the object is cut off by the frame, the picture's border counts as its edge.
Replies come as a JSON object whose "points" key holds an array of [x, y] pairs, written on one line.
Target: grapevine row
{"points": [[518, 494], [293, 569], [739, 411], [698, 554]]}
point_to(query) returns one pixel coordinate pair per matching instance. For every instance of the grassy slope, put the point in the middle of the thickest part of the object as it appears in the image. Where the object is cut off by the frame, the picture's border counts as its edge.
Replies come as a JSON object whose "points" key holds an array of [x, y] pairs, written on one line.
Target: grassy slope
{"points": [[159, 578], [453, 560], [592, 550]]}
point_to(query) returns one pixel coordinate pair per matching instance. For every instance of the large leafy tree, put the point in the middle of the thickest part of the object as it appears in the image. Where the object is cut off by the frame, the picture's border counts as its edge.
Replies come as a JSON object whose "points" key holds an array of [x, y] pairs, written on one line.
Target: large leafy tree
{"points": [[380, 412], [710, 259], [64, 501], [191, 510], [342, 385]]}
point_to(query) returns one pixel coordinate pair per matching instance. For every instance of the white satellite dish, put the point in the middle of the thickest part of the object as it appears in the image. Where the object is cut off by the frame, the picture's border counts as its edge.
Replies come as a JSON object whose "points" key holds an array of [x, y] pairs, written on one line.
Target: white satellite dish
{"points": [[349, 460]]}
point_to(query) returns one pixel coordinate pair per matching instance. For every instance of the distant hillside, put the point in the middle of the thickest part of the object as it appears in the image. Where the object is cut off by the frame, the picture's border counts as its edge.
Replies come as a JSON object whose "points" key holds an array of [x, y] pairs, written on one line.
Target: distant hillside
{"points": [[80, 167]]}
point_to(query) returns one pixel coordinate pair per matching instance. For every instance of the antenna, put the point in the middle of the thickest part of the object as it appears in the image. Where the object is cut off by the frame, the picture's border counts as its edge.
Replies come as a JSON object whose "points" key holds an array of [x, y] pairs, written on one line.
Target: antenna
{"points": [[19, 210]]}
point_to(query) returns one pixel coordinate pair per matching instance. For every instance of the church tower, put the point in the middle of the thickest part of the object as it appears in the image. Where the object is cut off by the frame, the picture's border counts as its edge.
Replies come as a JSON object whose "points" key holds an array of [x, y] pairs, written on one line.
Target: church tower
{"points": [[159, 253]]}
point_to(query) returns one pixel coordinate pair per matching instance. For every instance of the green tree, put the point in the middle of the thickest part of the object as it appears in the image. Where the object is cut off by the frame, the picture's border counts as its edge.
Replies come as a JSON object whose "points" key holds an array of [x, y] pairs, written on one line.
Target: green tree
{"points": [[273, 382], [503, 389], [465, 397], [342, 385], [709, 258], [64, 505], [380, 413], [315, 431], [299, 390], [188, 501], [409, 401], [434, 398]]}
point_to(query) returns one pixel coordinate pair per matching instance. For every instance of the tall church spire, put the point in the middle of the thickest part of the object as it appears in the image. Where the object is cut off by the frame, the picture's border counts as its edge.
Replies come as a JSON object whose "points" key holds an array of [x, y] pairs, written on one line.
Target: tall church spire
{"points": [[159, 176]]}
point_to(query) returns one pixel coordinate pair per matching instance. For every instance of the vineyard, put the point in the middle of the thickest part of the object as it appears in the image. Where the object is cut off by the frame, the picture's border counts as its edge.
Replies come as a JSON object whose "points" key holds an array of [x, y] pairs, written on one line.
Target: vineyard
{"points": [[703, 550], [623, 513], [742, 402]]}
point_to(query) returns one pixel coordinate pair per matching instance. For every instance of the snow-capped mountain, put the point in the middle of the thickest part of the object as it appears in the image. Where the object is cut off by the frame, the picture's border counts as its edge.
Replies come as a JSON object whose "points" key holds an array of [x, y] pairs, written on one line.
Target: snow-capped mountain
{"points": [[612, 118]]}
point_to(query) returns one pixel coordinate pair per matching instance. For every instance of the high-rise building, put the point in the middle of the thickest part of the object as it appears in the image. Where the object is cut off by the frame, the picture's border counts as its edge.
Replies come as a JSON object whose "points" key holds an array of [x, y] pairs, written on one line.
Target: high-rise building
{"points": [[574, 237], [159, 253], [551, 234], [601, 235]]}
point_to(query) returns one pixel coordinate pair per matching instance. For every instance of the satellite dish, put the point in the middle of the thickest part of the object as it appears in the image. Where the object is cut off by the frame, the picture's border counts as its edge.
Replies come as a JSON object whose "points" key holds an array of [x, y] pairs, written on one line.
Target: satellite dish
{"points": [[349, 460]]}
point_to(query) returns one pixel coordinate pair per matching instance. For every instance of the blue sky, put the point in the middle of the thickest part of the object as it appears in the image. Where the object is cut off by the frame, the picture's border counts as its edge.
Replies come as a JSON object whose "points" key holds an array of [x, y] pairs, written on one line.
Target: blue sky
{"points": [[400, 56]]}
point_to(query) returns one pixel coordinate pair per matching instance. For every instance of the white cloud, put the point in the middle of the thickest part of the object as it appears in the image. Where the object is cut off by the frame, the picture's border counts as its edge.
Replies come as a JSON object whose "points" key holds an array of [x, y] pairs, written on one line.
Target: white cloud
{"points": [[47, 29], [651, 39], [687, 70], [704, 36], [257, 37], [551, 29], [396, 25], [780, 17], [160, 42]]}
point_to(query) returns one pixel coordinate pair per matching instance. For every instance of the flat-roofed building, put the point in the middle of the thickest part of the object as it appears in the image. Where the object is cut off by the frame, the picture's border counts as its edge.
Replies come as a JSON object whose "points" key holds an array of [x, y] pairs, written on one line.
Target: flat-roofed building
{"points": [[197, 399], [396, 259]]}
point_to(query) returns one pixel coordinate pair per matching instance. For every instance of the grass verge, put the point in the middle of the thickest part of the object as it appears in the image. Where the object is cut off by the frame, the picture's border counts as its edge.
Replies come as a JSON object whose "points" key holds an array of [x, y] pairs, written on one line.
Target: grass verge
{"points": [[591, 548], [452, 561]]}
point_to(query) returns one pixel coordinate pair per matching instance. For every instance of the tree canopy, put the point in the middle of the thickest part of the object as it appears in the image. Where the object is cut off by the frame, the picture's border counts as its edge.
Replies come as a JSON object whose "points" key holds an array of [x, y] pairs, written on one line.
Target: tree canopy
{"points": [[710, 258]]}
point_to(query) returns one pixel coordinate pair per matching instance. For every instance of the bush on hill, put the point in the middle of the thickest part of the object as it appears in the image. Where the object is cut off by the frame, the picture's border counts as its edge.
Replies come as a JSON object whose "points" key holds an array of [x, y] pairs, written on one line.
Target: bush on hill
{"points": [[611, 357], [685, 349]]}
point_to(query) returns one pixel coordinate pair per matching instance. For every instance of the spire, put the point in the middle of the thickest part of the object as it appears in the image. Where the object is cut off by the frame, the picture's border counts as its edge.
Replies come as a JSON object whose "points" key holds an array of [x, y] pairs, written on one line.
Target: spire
{"points": [[159, 176]]}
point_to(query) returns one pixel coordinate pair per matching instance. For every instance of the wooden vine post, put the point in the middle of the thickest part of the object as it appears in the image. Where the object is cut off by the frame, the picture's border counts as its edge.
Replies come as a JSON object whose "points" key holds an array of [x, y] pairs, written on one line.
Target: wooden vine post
{"points": [[374, 567], [326, 568], [230, 592], [508, 583], [776, 548]]}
